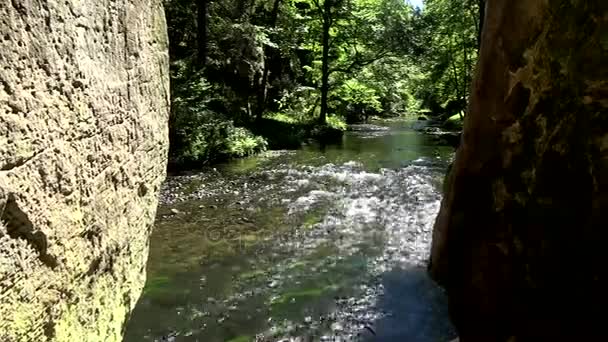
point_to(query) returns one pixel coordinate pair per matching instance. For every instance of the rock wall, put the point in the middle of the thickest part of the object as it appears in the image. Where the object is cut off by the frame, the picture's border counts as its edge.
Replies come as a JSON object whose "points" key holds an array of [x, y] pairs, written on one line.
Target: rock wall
{"points": [[519, 243], [84, 101]]}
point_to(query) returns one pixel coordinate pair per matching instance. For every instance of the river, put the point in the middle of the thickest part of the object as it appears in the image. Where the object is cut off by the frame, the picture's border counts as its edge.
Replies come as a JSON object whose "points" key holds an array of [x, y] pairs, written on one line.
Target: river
{"points": [[319, 244]]}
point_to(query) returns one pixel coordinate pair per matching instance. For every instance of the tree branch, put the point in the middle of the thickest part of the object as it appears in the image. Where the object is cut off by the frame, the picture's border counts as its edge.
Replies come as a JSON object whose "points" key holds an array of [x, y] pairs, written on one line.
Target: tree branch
{"points": [[357, 63], [316, 2]]}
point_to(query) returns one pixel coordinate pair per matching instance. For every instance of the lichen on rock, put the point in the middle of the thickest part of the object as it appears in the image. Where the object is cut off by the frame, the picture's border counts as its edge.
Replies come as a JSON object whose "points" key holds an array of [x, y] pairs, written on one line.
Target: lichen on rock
{"points": [[83, 129]]}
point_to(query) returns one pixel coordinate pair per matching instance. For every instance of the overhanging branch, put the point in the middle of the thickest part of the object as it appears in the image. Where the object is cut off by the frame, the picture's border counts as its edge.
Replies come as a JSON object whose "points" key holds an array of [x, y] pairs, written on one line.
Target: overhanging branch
{"points": [[359, 63]]}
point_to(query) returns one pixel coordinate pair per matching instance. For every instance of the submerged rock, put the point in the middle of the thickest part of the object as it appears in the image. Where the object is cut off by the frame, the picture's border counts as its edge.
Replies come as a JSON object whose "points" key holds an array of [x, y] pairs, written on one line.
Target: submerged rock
{"points": [[82, 155]]}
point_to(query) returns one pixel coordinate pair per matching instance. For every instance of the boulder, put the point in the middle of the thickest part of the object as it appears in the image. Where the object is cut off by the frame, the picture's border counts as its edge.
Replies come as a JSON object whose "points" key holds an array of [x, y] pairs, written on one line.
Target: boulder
{"points": [[84, 100], [519, 241]]}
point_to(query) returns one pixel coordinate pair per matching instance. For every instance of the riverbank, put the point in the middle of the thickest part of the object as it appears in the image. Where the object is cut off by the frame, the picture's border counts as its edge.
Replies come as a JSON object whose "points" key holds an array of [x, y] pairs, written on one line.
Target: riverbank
{"points": [[272, 133], [444, 132], [291, 134]]}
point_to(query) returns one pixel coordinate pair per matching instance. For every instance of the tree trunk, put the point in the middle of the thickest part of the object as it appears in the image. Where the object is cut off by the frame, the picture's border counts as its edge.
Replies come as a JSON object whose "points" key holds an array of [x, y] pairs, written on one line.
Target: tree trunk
{"points": [[242, 9], [325, 61], [482, 11], [202, 22], [269, 55], [466, 68], [520, 240], [455, 73]]}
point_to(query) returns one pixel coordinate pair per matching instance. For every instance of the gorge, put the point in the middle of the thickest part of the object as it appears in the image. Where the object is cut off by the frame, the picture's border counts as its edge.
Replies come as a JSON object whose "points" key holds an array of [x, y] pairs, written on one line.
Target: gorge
{"points": [[331, 239]]}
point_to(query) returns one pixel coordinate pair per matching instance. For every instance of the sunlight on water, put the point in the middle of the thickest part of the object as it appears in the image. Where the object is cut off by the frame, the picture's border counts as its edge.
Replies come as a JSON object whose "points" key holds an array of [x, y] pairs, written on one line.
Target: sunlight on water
{"points": [[326, 244]]}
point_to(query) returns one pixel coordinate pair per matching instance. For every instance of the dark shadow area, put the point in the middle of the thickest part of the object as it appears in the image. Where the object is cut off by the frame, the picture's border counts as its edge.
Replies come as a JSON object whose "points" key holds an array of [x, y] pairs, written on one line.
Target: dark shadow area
{"points": [[283, 135], [417, 309]]}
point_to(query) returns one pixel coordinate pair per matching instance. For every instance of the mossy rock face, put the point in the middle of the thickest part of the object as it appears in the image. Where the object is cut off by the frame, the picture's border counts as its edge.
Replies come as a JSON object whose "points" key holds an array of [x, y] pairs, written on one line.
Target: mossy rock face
{"points": [[83, 150], [526, 198]]}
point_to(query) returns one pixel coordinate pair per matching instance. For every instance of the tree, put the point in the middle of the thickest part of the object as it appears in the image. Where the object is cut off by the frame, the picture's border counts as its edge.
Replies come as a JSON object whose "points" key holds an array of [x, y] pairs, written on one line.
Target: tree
{"points": [[202, 17], [308, 60], [482, 10], [269, 56], [325, 10], [448, 38], [355, 34], [327, 21]]}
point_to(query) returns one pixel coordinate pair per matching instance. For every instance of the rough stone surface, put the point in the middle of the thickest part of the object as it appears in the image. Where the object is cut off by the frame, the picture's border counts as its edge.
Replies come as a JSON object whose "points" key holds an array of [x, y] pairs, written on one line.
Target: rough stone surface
{"points": [[83, 143], [520, 240]]}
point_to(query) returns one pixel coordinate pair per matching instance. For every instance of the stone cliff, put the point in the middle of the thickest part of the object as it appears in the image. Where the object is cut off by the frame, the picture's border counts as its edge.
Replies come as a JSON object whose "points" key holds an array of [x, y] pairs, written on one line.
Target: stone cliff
{"points": [[83, 142], [519, 243]]}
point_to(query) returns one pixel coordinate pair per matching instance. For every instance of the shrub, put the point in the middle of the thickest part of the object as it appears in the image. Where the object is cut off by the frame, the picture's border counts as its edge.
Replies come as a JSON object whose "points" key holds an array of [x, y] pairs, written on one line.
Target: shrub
{"points": [[282, 117], [200, 135], [336, 122], [241, 143]]}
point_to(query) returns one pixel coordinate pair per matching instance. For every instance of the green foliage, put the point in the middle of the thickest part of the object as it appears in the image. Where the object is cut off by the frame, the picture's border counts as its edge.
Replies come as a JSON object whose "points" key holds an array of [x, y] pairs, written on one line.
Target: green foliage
{"points": [[200, 135], [241, 143], [336, 122], [364, 36], [447, 51], [282, 117], [453, 122], [300, 103], [263, 69], [333, 121], [357, 93]]}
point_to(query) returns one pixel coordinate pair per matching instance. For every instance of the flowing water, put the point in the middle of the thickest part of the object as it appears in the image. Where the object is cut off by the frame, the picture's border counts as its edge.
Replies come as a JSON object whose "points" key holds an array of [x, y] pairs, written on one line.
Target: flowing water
{"points": [[320, 244]]}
